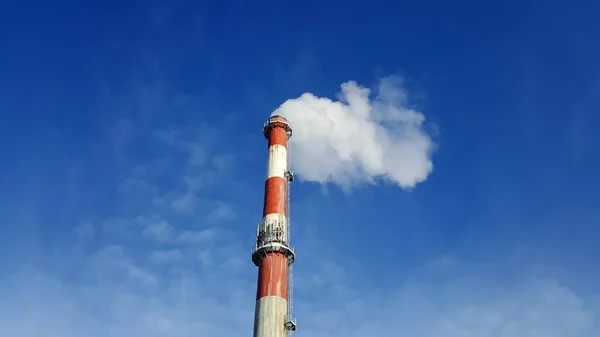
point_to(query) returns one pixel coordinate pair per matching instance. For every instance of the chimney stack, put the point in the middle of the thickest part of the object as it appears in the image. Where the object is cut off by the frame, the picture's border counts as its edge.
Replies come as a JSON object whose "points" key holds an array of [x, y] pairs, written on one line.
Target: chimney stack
{"points": [[272, 253]]}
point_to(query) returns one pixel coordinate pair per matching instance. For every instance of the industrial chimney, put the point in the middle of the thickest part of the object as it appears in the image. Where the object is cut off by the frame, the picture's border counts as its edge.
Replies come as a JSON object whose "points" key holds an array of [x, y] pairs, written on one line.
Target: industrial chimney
{"points": [[272, 253]]}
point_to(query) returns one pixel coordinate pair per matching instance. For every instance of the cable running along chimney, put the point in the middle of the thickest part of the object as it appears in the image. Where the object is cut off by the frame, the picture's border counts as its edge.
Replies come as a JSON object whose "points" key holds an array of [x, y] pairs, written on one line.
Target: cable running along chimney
{"points": [[272, 253]]}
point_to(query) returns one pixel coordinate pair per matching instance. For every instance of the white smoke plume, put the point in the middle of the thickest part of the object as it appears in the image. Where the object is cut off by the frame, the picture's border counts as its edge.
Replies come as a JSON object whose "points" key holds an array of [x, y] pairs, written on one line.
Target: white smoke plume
{"points": [[358, 138]]}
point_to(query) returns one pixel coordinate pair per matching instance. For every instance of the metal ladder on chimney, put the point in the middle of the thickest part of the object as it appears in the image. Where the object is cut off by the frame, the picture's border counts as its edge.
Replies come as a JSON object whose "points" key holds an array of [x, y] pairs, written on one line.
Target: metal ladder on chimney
{"points": [[290, 322]]}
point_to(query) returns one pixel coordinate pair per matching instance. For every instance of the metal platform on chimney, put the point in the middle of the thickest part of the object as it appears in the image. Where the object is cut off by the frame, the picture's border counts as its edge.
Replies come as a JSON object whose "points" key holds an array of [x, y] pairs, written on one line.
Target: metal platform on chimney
{"points": [[290, 324], [269, 247]]}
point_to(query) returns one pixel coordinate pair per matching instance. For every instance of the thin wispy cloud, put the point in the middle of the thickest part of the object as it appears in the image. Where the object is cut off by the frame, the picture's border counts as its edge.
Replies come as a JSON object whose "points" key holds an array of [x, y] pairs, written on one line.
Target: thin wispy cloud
{"points": [[202, 236], [158, 230], [120, 295], [166, 256]]}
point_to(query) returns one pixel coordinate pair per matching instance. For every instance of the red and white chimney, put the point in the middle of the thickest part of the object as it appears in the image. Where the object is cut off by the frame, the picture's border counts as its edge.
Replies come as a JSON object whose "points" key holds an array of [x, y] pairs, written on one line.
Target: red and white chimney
{"points": [[272, 253]]}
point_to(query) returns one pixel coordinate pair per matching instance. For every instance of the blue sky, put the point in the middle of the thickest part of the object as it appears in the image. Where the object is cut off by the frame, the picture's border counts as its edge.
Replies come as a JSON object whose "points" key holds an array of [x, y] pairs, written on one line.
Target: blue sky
{"points": [[133, 167]]}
